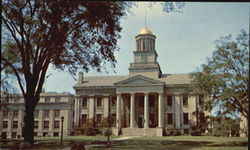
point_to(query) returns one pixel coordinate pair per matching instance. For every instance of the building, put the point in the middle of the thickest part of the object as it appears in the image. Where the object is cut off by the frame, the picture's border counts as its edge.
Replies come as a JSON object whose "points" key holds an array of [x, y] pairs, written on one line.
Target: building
{"points": [[51, 107], [145, 102]]}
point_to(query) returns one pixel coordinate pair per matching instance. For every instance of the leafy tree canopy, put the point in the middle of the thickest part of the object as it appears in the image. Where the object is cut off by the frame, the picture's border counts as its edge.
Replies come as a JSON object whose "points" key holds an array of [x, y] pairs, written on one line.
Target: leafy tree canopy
{"points": [[225, 76]]}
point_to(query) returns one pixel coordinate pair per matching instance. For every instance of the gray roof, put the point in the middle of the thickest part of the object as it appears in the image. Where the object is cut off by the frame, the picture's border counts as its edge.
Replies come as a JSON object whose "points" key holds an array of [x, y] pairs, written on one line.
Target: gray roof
{"points": [[176, 78], [101, 80], [110, 80]]}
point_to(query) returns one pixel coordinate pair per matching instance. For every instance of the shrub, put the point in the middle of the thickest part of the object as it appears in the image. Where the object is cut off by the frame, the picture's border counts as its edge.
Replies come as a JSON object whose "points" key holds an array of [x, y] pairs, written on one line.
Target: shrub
{"points": [[177, 132], [173, 132], [107, 131], [90, 131]]}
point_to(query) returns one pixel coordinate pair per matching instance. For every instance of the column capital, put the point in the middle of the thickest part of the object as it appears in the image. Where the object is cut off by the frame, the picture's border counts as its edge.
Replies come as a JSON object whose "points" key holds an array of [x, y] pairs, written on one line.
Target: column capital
{"points": [[132, 93], [119, 93], [146, 93]]}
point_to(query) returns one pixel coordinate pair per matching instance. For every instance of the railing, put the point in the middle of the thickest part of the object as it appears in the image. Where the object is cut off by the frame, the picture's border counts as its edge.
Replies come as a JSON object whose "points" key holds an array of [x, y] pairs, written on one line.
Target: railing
{"points": [[138, 64]]}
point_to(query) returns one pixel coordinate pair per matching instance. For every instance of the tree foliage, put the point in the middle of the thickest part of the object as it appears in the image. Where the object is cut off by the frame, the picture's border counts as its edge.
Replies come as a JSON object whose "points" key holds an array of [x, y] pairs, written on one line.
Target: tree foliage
{"points": [[225, 76], [225, 126], [68, 34]]}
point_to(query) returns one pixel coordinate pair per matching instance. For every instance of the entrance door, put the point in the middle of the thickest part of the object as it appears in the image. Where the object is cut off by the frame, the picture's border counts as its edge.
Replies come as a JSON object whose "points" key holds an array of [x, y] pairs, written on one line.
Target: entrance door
{"points": [[140, 122], [152, 120]]}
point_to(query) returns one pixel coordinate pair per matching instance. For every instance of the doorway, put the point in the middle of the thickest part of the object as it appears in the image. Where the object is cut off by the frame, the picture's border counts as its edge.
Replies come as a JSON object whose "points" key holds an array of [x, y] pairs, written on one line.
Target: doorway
{"points": [[140, 121]]}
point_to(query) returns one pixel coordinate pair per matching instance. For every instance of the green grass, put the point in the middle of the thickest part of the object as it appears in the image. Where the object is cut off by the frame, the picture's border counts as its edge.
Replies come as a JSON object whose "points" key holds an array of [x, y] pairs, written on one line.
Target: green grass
{"points": [[141, 143]]}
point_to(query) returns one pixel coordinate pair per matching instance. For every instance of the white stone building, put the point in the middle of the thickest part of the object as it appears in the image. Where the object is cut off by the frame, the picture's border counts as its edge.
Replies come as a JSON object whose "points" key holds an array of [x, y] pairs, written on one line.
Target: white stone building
{"points": [[142, 103], [51, 107]]}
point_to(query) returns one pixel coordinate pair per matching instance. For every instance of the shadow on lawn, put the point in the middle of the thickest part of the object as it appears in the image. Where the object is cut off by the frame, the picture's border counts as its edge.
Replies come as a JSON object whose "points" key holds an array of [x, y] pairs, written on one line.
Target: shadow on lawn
{"points": [[127, 144], [139, 144]]}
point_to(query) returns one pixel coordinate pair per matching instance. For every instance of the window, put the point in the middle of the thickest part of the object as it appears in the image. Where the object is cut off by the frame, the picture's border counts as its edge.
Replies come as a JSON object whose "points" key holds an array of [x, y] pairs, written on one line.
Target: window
{"points": [[57, 99], [185, 100], [15, 113], [151, 101], [16, 100], [47, 99], [55, 134], [45, 133], [98, 118], [36, 113], [201, 99], [57, 113], [15, 124], [84, 102], [185, 118], [56, 124], [46, 113], [141, 101], [45, 124], [170, 118], [13, 135], [35, 124], [5, 124], [113, 101], [84, 119], [5, 113], [169, 100], [99, 101], [186, 131], [113, 118]]}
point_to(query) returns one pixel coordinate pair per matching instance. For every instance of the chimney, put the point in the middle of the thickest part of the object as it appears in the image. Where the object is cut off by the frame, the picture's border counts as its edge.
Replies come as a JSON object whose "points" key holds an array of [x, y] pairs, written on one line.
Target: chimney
{"points": [[80, 77]]}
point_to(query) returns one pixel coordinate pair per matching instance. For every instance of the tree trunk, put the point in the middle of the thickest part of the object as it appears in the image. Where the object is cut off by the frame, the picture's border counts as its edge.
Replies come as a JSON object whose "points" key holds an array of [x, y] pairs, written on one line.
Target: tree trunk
{"points": [[30, 105], [29, 125]]}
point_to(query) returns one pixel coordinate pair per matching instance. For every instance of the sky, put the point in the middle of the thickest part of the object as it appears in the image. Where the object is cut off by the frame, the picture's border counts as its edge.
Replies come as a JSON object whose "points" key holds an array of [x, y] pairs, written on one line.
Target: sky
{"points": [[184, 40]]}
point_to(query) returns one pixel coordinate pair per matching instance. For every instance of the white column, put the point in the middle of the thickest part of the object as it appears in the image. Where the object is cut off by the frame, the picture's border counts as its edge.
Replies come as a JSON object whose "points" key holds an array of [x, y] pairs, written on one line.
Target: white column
{"points": [[118, 111], [40, 121], [20, 121], [141, 44], [91, 107], [177, 111], [146, 112], [75, 114], [132, 110], [77, 108], [106, 106], [160, 110], [51, 122]]}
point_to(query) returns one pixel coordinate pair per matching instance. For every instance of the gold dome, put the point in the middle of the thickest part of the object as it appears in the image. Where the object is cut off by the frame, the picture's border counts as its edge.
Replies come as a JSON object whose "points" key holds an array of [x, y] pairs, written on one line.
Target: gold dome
{"points": [[145, 31]]}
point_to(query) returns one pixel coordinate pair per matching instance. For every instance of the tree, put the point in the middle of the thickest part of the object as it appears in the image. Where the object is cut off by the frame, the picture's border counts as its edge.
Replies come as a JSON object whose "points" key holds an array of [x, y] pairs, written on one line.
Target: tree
{"points": [[70, 35], [225, 76], [225, 126]]}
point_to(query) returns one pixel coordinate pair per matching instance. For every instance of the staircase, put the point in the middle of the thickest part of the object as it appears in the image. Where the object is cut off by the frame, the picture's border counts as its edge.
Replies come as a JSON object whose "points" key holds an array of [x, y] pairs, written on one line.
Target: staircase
{"points": [[138, 132]]}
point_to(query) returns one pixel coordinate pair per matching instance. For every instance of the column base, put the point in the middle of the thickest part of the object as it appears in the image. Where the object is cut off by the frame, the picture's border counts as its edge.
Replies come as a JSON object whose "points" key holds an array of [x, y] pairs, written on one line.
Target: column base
{"points": [[116, 131], [159, 131]]}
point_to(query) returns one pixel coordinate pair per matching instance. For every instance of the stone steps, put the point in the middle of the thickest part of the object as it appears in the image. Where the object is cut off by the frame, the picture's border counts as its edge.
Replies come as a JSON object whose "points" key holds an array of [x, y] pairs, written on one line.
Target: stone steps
{"points": [[138, 132]]}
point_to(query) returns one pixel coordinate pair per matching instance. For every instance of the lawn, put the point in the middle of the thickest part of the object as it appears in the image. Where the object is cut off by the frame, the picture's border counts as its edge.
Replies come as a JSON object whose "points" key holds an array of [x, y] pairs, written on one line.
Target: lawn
{"points": [[141, 143]]}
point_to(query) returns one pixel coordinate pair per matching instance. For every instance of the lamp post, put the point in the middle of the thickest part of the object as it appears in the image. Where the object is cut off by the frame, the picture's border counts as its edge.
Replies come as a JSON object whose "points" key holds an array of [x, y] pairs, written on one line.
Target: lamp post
{"points": [[62, 119]]}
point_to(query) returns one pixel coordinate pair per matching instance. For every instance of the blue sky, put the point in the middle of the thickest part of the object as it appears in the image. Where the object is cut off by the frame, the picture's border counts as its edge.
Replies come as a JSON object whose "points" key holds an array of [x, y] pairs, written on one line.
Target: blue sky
{"points": [[183, 40]]}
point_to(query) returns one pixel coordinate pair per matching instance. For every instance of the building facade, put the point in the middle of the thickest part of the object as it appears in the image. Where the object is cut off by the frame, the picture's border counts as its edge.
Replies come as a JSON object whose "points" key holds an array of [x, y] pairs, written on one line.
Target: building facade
{"points": [[145, 102], [47, 116]]}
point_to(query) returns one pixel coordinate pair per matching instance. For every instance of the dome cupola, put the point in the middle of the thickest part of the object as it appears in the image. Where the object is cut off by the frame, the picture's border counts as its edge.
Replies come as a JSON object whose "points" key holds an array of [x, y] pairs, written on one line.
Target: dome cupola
{"points": [[145, 40], [145, 31]]}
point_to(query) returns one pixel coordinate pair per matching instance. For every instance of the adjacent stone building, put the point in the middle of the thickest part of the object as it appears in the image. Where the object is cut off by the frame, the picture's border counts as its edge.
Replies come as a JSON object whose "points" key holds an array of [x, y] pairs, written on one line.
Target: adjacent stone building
{"points": [[51, 107], [145, 102]]}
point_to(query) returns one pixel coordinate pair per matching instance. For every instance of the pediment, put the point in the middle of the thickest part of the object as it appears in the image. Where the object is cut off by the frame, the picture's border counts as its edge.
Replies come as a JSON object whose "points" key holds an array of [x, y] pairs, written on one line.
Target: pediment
{"points": [[139, 80]]}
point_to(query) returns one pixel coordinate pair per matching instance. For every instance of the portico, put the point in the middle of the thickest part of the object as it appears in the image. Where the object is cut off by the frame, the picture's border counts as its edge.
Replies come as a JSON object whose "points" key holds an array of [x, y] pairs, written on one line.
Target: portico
{"points": [[142, 100]]}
